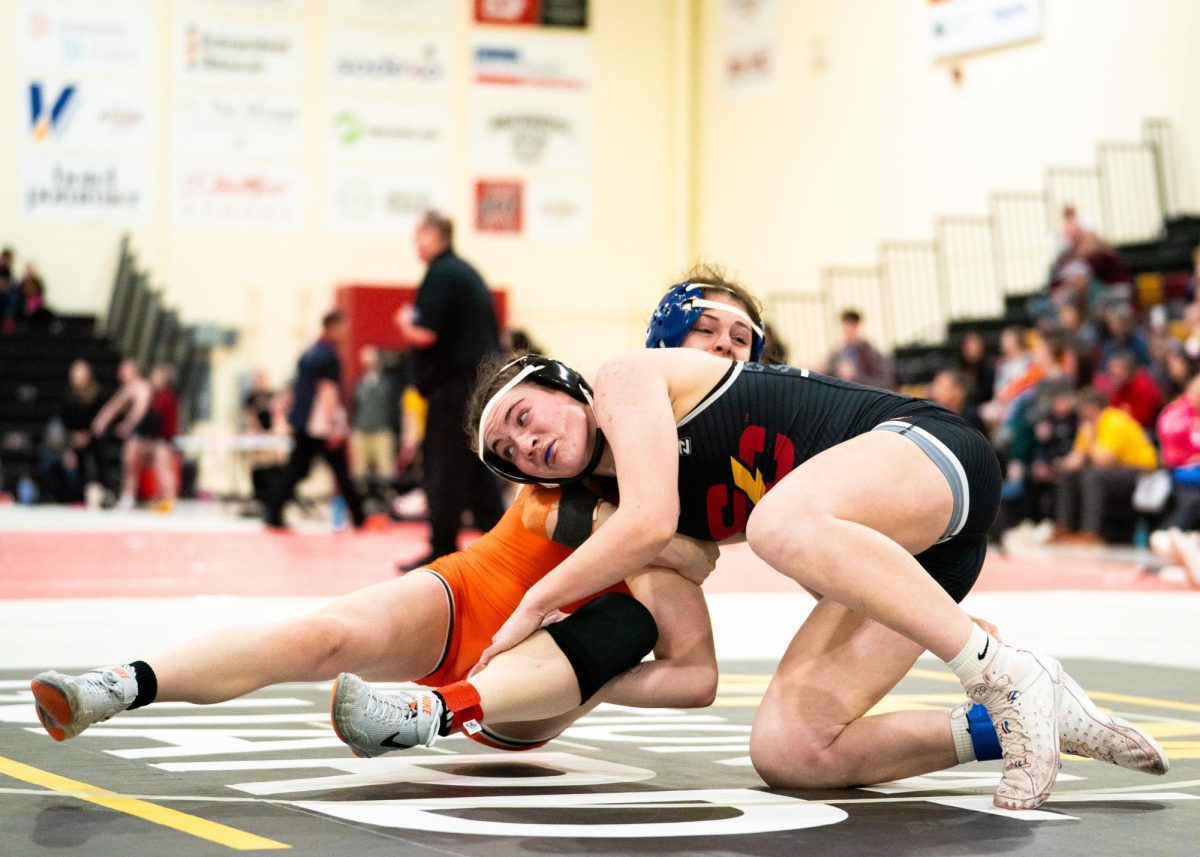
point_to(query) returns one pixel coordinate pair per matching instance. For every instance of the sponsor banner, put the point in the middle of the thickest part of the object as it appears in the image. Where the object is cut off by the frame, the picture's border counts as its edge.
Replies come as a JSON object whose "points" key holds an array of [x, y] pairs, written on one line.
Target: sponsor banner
{"points": [[750, 51], [558, 209], [67, 36], [290, 8], [86, 113], [401, 132], [84, 188], [549, 134], [208, 49], [392, 11], [234, 123], [543, 63], [219, 196], [405, 61], [963, 26], [362, 201], [547, 13], [499, 205]]}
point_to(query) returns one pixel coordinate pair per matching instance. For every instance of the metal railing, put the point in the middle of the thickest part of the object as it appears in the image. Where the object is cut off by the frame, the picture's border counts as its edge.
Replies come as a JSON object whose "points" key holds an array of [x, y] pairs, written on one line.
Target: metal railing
{"points": [[975, 262]]}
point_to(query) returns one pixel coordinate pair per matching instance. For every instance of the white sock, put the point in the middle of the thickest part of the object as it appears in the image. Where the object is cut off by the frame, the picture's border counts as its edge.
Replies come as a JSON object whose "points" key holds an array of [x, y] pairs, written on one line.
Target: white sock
{"points": [[976, 656], [964, 747]]}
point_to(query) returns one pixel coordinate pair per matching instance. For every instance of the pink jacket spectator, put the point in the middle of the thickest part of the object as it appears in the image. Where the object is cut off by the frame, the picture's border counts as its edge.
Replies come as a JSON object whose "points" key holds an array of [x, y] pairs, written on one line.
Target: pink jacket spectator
{"points": [[1179, 433]]}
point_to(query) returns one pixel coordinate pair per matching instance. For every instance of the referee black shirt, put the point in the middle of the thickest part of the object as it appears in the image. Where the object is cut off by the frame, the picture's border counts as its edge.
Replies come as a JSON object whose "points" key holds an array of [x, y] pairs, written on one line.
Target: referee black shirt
{"points": [[455, 304]]}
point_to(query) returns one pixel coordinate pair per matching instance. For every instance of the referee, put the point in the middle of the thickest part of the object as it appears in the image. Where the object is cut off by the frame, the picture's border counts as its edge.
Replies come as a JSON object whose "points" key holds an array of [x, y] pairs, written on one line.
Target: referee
{"points": [[452, 327]]}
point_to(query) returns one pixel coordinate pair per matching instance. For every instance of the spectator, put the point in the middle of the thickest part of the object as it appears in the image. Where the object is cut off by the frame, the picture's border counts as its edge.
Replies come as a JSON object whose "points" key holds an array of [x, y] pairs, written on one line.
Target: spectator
{"points": [[1098, 476], [1179, 440], [319, 424], [373, 430], [1054, 429], [949, 389], [975, 364], [81, 405], [1121, 334], [1081, 338], [1130, 388], [10, 301], [1175, 370], [452, 328], [259, 421], [138, 428], [856, 359], [33, 309], [165, 406]]}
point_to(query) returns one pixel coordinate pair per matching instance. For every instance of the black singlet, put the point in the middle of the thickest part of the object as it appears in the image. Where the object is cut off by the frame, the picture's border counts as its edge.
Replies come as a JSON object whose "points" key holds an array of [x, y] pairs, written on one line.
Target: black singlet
{"points": [[759, 423]]}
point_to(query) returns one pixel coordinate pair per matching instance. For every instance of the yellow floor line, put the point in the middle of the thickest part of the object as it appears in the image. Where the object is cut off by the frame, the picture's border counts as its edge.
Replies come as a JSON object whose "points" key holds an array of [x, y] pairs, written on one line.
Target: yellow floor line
{"points": [[201, 828]]}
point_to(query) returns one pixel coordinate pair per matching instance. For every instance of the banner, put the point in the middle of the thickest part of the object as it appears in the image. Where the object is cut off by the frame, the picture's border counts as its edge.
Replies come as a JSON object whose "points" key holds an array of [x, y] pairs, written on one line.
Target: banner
{"points": [[84, 188], [749, 52], [221, 197], [211, 49], [539, 63], [499, 205], [543, 134], [558, 209], [392, 11], [528, 13], [66, 37], [402, 61], [399, 133], [86, 113], [364, 201], [235, 123], [963, 26]]}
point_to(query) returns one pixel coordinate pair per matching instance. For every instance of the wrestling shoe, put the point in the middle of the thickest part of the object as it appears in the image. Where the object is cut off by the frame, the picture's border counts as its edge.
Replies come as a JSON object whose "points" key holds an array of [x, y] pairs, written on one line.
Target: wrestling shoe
{"points": [[372, 723], [1023, 694], [1085, 730], [68, 704]]}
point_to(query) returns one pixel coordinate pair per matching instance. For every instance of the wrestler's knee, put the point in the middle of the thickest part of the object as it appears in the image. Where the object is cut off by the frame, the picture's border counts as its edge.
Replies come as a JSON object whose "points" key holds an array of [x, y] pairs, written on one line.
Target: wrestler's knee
{"points": [[318, 639], [785, 536], [788, 756]]}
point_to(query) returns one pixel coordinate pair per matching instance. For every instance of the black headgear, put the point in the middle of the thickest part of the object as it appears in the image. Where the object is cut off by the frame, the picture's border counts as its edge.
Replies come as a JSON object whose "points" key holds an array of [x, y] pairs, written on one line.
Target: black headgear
{"points": [[553, 375]]}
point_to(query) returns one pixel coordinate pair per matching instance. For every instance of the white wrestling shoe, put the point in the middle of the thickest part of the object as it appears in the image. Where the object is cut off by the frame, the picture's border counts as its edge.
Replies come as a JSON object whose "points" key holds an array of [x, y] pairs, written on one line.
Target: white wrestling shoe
{"points": [[1023, 694], [1084, 730], [372, 723], [68, 704]]}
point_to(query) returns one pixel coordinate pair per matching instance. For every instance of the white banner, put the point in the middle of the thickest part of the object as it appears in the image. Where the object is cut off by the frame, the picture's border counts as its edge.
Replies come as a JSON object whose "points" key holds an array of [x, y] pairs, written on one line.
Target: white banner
{"points": [[86, 113], [207, 49], [558, 209], [403, 61], [84, 188], [278, 8], [69, 36], [537, 62], [391, 11], [233, 123], [750, 49], [363, 201], [401, 133], [962, 26], [534, 134], [218, 196]]}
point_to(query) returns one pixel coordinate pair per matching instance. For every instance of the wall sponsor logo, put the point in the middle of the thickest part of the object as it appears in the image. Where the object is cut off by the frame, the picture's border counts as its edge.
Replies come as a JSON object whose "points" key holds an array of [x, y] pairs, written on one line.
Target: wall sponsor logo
{"points": [[558, 209], [546, 13], [393, 11], [74, 34], [509, 138], [498, 206], [360, 56], [47, 110], [361, 201], [237, 123], [535, 63], [84, 188], [407, 132], [213, 196], [246, 52]]}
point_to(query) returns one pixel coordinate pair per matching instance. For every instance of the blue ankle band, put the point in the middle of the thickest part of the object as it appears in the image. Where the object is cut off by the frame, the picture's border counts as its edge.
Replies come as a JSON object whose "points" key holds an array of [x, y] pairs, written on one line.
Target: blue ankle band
{"points": [[983, 734]]}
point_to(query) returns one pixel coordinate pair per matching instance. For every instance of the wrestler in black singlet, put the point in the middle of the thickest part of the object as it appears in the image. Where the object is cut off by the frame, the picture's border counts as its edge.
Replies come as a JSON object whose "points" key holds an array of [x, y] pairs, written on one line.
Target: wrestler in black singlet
{"points": [[761, 422]]}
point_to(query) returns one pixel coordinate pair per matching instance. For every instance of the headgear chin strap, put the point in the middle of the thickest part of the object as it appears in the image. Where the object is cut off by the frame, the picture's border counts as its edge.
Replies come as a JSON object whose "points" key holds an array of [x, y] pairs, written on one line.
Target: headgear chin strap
{"points": [[553, 375], [680, 309]]}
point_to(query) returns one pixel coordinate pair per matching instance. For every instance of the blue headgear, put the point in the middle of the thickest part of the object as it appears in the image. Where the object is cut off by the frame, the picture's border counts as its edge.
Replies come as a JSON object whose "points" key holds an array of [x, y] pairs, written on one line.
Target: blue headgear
{"points": [[680, 309], [553, 375]]}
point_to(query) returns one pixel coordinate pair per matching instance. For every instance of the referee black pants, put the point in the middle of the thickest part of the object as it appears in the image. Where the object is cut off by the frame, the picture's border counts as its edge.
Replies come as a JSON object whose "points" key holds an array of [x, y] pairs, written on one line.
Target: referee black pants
{"points": [[299, 463], [455, 479]]}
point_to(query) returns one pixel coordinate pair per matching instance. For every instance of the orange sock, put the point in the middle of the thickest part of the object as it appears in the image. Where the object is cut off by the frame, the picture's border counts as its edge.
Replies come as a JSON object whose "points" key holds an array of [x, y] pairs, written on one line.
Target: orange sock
{"points": [[462, 705]]}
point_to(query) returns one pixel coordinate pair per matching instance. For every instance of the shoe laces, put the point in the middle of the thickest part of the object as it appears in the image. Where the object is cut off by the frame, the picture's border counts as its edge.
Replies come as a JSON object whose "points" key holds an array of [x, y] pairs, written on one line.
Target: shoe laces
{"points": [[390, 707], [1006, 715]]}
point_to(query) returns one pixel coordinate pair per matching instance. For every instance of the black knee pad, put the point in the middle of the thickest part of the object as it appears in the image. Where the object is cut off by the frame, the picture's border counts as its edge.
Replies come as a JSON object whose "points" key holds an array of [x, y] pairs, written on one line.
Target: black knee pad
{"points": [[603, 638]]}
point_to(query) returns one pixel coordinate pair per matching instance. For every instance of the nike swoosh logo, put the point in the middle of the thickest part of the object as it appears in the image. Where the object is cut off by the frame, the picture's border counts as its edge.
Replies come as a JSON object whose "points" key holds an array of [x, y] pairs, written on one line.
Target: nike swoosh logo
{"points": [[985, 648], [389, 741]]}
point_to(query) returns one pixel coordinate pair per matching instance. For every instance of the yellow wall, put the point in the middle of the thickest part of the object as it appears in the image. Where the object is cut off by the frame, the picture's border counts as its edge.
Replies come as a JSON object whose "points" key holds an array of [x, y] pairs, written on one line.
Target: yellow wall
{"points": [[864, 137]]}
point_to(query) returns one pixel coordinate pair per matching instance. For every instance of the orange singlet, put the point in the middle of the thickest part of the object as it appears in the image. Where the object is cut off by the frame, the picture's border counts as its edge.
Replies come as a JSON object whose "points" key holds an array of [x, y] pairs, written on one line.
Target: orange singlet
{"points": [[486, 582]]}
